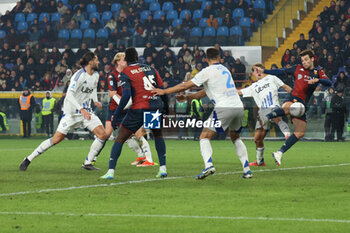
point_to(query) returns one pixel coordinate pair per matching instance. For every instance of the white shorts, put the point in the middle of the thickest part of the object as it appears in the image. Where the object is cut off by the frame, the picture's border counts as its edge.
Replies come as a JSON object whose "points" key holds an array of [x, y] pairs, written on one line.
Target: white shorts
{"points": [[265, 125], [69, 122], [231, 118]]}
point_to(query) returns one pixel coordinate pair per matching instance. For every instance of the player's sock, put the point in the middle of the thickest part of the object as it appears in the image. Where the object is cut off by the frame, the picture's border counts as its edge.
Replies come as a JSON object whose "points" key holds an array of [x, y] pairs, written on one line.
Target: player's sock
{"points": [[110, 171], [284, 128], [162, 168], [289, 143], [260, 155], [242, 154], [206, 152], [115, 153], [41, 149], [275, 113], [161, 150], [135, 146], [95, 148], [146, 149]]}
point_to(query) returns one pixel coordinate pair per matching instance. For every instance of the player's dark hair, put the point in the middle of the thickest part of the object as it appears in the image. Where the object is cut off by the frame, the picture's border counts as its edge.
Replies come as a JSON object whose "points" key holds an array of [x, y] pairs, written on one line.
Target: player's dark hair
{"points": [[87, 57], [213, 54], [307, 52], [131, 55]]}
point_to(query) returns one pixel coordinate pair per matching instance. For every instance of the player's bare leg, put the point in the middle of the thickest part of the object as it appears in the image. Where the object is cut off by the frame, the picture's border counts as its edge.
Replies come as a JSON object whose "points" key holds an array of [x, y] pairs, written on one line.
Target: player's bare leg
{"points": [[259, 142], [57, 137], [109, 129], [277, 112], [241, 152], [206, 152], [96, 147], [299, 132]]}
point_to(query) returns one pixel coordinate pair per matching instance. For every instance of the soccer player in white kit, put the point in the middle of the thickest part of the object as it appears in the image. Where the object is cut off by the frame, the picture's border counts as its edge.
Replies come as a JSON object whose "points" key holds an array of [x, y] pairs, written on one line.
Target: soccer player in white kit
{"points": [[265, 94], [220, 88], [78, 112]]}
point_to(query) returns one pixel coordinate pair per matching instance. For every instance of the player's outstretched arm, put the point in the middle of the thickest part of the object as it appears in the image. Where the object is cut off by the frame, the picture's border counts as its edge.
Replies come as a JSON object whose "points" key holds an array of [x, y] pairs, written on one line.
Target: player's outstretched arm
{"points": [[177, 88], [197, 95], [287, 88]]}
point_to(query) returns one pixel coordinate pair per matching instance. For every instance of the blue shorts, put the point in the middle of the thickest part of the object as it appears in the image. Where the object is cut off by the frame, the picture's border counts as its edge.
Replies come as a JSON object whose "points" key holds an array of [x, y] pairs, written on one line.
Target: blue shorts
{"points": [[293, 99], [119, 118]]}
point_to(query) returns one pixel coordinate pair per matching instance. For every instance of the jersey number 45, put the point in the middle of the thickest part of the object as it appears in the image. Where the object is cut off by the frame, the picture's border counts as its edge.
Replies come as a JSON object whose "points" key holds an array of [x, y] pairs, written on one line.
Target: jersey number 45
{"points": [[148, 82]]}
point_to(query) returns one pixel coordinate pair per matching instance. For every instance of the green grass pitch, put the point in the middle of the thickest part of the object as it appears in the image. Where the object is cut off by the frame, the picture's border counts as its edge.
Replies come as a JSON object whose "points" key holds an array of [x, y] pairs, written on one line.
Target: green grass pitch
{"points": [[310, 192]]}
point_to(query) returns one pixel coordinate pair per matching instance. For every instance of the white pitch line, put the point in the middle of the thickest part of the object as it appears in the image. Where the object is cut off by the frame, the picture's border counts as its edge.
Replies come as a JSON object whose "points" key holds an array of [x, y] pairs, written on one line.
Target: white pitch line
{"points": [[180, 216], [168, 178]]}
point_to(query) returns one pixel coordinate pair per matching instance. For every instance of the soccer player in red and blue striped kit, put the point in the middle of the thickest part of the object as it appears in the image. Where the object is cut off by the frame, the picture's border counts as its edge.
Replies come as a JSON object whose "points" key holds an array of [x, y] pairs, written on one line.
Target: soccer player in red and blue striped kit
{"points": [[306, 79], [138, 81]]}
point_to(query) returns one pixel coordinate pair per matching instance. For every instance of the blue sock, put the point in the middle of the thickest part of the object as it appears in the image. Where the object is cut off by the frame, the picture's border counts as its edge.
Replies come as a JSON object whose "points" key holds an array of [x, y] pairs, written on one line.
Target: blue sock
{"points": [[289, 143], [161, 150], [115, 153], [276, 113]]}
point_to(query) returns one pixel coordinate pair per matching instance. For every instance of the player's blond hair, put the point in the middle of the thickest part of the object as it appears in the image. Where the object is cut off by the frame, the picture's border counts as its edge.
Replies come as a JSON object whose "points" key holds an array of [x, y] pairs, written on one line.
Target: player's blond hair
{"points": [[260, 65], [118, 57]]}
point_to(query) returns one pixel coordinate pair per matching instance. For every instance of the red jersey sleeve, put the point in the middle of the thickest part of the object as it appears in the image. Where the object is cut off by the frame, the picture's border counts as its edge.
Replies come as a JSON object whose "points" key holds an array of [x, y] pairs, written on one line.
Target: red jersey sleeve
{"points": [[321, 74], [159, 79], [112, 85]]}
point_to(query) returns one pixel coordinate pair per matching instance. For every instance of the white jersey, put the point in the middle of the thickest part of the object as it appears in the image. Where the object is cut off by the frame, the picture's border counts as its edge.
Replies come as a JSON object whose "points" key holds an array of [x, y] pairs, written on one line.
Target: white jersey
{"points": [[219, 86], [264, 91], [82, 88]]}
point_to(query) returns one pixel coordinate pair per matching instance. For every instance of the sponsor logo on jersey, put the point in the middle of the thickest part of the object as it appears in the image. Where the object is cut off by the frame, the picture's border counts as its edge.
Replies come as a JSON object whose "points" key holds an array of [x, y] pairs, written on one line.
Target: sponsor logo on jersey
{"points": [[87, 90], [259, 89]]}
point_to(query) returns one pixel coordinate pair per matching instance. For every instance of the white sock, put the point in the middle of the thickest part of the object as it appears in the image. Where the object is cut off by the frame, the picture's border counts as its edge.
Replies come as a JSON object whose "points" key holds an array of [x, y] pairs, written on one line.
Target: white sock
{"points": [[41, 149], [284, 128], [134, 145], [206, 152], [242, 154], [110, 171], [146, 149], [162, 168], [260, 155], [94, 149]]}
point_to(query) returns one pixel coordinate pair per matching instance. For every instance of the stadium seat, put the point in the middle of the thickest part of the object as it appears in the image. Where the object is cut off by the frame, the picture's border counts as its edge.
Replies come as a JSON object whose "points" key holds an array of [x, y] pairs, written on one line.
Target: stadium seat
{"points": [[20, 17], [183, 14], [106, 16], [205, 3], [31, 17], [91, 8], [85, 24], [219, 21], [235, 35], [94, 15], [75, 38], [89, 37], [259, 5], [176, 22], [43, 15], [63, 37], [157, 15], [149, 1], [115, 7], [245, 24], [172, 15], [22, 26], [144, 15], [55, 17], [237, 14], [154, 6], [208, 36], [222, 35], [203, 22], [63, 34], [195, 35], [102, 37], [2, 34], [197, 14], [167, 6]]}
